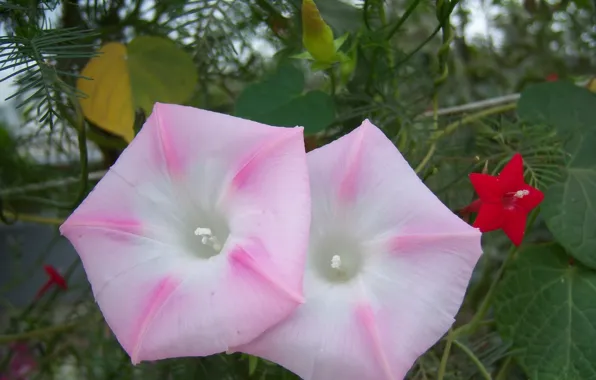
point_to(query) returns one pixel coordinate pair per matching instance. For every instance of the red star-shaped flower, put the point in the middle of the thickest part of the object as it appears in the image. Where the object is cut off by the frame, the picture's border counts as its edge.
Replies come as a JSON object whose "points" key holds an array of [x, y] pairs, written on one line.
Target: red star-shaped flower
{"points": [[552, 77], [505, 200], [55, 278]]}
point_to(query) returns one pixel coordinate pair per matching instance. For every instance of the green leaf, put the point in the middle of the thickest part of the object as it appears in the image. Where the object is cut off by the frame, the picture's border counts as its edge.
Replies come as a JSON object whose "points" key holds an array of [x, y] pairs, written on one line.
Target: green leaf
{"points": [[569, 207], [279, 101], [276, 90], [561, 104], [159, 72], [304, 55], [314, 111], [253, 361], [338, 43], [546, 307]]}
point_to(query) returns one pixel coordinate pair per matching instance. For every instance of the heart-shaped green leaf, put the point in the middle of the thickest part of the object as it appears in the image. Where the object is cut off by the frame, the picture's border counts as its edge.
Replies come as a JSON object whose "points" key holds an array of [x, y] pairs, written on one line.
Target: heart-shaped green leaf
{"points": [[561, 104], [546, 307], [279, 101], [569, 208]]}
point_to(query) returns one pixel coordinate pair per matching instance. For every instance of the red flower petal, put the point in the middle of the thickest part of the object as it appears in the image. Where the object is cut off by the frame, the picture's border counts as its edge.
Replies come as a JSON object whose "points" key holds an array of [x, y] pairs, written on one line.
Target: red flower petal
{"points": [[487, 187], [514, 225], [512, 175], [490, 217], [552, 77], [532, 200], [55, 277]]}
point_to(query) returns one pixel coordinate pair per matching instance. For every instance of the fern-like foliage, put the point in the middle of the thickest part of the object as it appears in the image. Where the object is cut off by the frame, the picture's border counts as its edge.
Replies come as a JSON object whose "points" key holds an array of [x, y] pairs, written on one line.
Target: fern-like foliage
{"points": [[36, 56], [217, 29]]}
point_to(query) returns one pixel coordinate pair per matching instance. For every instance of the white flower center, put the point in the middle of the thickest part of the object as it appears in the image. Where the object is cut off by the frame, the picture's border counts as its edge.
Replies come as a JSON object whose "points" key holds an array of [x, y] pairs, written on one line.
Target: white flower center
{"points": [[521, 193], [207, 238], [336, 257], [336, 262], [203, 233]]}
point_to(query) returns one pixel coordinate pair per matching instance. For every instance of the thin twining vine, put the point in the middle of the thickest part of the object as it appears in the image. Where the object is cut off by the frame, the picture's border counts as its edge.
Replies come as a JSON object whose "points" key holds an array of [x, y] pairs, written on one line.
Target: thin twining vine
{"points": [[476, 322], [450, 128]]}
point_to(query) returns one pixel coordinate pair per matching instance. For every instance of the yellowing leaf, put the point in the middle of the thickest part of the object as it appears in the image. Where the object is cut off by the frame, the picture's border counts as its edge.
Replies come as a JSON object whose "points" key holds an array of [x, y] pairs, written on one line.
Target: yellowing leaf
{"points": [[126, 78], [591, 84], [109, 98], [317, 36]]}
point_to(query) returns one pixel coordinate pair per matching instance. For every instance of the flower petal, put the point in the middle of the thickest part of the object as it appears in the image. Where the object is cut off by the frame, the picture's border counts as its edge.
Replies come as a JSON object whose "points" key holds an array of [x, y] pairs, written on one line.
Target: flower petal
{"points": [[512, 175], [487, 187], [514, 225], [490, 217], [378, 326], [361, 177], [135, 233], [324, 339], [417, 258], [532, 200]]}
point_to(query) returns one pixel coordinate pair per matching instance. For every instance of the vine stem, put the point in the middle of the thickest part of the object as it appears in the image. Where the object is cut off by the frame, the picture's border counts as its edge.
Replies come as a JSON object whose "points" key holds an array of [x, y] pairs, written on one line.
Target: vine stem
{"points": [[450, 128], [413, 5], [4, 339], [93, 176], [476, 321], [34, 218], [483, 371], [504, 371], [333, 81], [445, 357]]}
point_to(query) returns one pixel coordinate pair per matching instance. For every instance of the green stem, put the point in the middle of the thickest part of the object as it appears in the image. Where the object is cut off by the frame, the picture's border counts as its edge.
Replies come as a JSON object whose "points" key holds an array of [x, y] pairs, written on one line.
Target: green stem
{"points": [[4, 339], [504, 370], [34, 218], [420, 46], [333, 81], [474, 358], [450, 128], [411, 8], [445, 357], [471, 326], [83, 155]]}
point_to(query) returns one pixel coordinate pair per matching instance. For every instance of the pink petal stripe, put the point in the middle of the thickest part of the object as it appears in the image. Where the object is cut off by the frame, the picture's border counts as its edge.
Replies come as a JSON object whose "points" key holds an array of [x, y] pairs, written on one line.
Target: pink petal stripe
{"points": [[366, 317], [173, 163], [248, 166], [239, 257], [410, 242], [164, 289], [128, 225], [349, 183]]}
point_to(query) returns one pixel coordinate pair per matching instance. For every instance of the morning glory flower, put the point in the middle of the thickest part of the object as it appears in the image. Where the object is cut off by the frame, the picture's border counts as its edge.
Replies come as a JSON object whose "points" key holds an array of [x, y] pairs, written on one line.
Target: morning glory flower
{"points": [[195, 239], [386, 272]]}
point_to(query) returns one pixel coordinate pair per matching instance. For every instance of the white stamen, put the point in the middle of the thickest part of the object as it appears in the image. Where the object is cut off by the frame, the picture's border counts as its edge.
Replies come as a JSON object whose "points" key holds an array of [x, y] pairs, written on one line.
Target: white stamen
{"points": [[203, 231], [207, 238], [521, 193], [336, 262]]}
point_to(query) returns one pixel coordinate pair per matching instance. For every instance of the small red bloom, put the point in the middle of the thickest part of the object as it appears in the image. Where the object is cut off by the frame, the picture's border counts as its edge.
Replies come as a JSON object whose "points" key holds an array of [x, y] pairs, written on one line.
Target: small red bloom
{"points": [[505, 200], [55, 279], [552, 77], [22, 363]]}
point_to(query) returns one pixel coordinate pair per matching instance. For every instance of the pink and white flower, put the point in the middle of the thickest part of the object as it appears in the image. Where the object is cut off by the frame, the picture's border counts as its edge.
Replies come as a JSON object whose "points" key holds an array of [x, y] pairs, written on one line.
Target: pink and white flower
{"points": [[387, 268], [195, 239]]}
